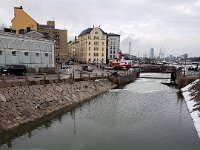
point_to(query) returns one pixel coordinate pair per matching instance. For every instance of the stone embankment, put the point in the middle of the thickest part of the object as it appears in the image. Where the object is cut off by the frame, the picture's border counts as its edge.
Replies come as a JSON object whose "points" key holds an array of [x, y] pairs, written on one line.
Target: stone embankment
{"points": [[191, 94], [23, 104]]}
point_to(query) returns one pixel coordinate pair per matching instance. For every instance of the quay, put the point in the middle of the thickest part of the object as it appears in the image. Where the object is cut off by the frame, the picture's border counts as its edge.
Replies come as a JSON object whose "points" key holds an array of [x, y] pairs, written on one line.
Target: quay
{"points": [[27, 101]]}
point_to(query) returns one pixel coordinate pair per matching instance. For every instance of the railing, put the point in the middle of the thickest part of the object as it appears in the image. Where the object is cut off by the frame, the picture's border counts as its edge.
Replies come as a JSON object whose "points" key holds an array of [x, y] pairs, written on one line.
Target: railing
{"points": [[43, 78]]}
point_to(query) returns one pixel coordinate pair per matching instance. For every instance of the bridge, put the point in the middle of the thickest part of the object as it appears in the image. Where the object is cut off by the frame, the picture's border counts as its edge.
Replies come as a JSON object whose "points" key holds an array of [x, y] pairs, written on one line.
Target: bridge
{"points": [[160, 69]]}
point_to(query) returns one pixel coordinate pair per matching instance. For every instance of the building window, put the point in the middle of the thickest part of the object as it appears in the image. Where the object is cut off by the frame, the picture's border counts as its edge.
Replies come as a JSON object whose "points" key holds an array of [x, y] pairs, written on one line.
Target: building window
{"points": [[97, 59], [89, 48], [89, 37], [26, 53], [14, 53], [96, 48], [114, 47], [89, 54], [102, 43], [113, 52], [102, 54], [110, 56], [102, 49], [46, 54], [37, 54], [96, 54], [110, 52], [0, 52], [96, 32], [96, 43], [89, 43], [110, 47], [96, 37]]}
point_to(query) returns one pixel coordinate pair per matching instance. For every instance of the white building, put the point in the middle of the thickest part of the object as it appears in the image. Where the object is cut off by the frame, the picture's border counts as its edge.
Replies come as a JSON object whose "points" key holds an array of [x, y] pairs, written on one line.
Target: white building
{"points": [[29, 49], [113, 47]]}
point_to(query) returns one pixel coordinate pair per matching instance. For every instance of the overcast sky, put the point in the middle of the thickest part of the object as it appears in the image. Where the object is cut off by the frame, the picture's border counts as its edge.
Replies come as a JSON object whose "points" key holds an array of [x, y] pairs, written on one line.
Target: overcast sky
{"points": [[171, 24]]}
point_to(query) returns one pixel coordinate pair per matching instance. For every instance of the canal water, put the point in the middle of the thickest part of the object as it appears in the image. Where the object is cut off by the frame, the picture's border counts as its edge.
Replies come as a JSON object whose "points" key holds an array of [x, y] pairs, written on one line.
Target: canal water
{"points": [[144, 115]]}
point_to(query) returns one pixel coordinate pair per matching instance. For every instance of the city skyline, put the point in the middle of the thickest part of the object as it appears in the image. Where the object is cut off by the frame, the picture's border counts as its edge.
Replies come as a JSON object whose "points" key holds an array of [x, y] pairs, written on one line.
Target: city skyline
{"points": [[147, 23]]}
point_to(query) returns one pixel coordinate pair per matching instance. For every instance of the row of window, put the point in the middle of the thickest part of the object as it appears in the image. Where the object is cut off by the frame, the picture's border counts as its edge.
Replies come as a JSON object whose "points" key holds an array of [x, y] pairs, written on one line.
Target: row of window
{"points": [[112, 56], [96, 37], [14, 53], [113, 47], [95, 59], [96, 54], [95, 43], [96, 49], [112, 52]]}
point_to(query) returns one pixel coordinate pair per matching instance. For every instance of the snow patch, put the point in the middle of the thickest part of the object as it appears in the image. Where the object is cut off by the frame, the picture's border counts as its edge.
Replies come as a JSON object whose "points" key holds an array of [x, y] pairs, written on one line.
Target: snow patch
{"points": [[191, 105]]}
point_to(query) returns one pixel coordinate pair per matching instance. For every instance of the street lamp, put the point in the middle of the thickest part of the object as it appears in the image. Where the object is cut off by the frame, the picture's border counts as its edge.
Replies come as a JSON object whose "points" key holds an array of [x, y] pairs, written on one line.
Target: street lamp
{"points": [[73, 62]]}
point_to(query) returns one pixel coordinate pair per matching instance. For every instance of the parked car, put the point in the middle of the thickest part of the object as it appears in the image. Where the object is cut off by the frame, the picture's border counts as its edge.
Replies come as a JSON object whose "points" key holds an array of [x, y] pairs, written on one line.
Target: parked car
{"points": [[67, 64], [13, 69], [87, 68]]}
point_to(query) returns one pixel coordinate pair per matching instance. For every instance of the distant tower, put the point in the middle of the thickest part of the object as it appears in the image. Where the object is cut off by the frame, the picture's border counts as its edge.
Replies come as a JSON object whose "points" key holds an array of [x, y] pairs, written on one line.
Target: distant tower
{"points": [[151, 53], [129, 48]]}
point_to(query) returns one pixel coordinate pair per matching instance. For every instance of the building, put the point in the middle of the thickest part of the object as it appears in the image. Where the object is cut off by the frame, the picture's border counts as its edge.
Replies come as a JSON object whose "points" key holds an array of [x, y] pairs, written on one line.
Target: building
{"points": [[113, 46], [73, 49], [23, 23], [60, 38], [30, 49], [92, 45], [151, 53]]}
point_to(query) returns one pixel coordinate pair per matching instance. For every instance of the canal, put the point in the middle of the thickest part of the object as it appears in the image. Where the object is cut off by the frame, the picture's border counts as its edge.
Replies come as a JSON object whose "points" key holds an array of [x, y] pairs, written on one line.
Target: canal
{"points": [[144, 115]]}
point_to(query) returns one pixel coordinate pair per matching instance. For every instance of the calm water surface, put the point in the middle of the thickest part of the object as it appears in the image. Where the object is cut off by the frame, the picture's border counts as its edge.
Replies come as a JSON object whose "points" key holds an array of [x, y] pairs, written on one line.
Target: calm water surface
{"points": [[145, 115]]}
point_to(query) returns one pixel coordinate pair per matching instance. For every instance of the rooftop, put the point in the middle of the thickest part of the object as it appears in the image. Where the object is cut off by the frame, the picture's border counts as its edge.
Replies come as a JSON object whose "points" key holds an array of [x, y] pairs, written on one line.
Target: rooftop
{"points": [[113, 34], [88, 30]]}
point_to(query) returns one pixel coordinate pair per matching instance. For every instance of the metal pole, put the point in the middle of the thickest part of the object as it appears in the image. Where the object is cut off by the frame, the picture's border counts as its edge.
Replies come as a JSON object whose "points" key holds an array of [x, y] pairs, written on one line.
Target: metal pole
{"points": [[73, 63], [185, 65]]}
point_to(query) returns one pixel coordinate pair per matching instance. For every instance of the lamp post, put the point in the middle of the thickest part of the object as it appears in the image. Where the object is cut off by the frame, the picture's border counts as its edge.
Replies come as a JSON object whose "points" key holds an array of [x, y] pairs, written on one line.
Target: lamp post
{"points": [[73, 62]]}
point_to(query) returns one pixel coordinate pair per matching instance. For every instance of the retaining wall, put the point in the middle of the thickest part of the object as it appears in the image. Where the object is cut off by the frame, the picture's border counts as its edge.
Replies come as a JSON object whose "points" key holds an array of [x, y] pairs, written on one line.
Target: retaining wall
{"points": [[127, 78], [23, 104]]}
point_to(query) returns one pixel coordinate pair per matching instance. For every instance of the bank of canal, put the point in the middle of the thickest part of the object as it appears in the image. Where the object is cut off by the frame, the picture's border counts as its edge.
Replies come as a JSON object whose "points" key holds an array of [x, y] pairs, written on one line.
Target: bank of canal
{"points": [[145, 115]]}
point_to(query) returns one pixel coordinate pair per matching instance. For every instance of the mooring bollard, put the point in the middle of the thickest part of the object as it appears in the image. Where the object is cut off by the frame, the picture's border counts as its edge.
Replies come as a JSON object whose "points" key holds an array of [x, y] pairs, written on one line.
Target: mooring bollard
{"points": [[45, 76], [59, 76], [3, 78], [80, 75], [26, 77]]}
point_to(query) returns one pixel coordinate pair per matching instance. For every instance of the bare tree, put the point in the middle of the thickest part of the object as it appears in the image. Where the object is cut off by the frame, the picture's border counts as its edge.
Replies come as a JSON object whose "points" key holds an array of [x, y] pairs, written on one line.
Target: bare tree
{"points": [[2, 26]]}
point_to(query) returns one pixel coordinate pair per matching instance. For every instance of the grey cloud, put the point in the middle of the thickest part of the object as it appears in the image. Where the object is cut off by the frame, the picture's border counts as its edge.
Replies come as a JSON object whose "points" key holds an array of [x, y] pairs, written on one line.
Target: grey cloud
{"points": [[150, 21]]}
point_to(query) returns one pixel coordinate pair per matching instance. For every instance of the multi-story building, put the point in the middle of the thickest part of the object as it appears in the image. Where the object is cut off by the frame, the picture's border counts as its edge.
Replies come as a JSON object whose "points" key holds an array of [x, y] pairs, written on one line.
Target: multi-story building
{"points": [[113, 46], [151, 53], [22, 23], [92, 45], [73, 51], [30, 49], [59, 37]]}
